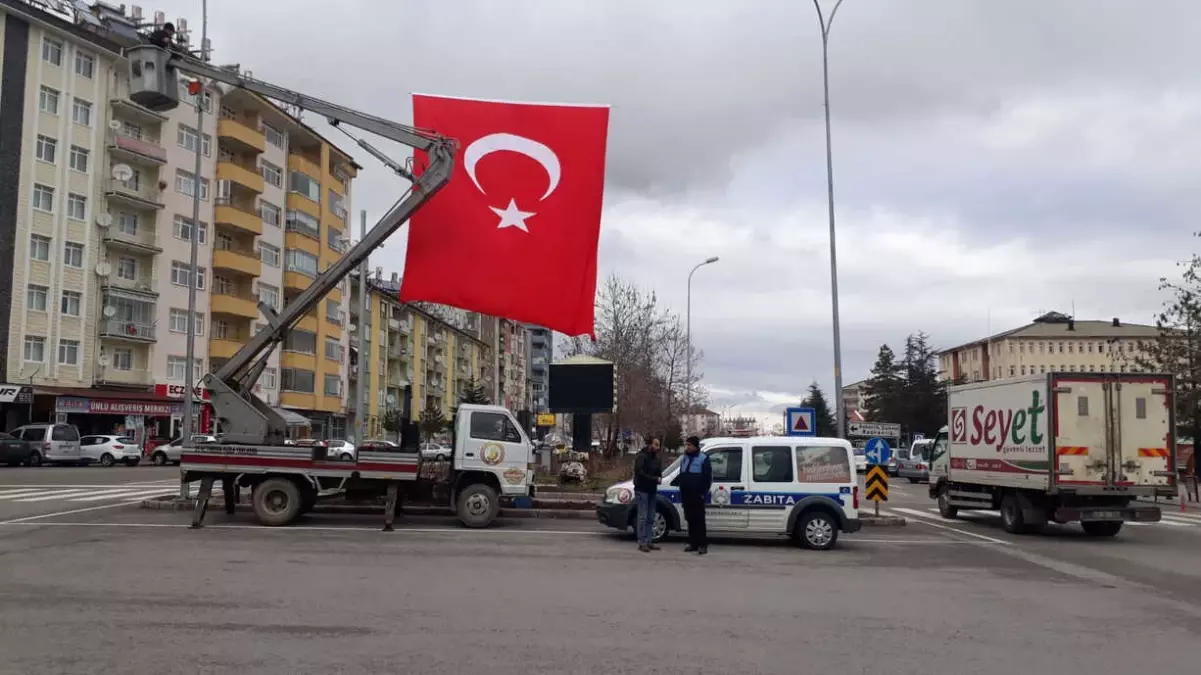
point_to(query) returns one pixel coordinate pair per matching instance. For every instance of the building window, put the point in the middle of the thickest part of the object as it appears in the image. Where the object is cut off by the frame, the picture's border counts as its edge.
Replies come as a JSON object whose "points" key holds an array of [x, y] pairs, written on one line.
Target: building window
{"points": [[177, 367], [48, 100], [298, 380], [333, 349], [178, 321], [185, 184], [274, 136], [223, 286], [268, 378], [127, 223], [186, 137], [272, 173], [333, 385], [305, 185], [36, 298], [68, 352], [70, 303], [127, 268], [123, 359], [73, 254], [269, 254], [300, 341], [52, 51], [333, 238], [333, 312], [46, 149], [43, 198], [79, 158], [269, 295], [35, 349], [181, 274], [85, 65], [39, 247], [77, 206], [336, 206], [303, 223], [269, 213], [221, 329], [81, 113], [184, 228], [299, 261]]}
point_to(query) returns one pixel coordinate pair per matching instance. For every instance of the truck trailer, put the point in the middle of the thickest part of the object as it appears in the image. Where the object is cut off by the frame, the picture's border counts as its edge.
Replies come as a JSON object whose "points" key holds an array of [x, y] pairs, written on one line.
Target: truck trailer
{"points": [[1058, 447]]}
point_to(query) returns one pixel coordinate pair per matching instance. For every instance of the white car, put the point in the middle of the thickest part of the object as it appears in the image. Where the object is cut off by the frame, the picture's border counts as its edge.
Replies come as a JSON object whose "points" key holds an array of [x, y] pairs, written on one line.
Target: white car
{"points": [[435, 451], [860, 460], [107, 450], [800, 487], [343, 450], [172, 452]]}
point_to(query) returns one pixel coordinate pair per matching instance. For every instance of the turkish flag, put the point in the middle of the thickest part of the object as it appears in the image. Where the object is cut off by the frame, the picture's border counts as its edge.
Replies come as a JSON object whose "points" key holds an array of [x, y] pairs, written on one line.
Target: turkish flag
{"points": [[514, 233]]}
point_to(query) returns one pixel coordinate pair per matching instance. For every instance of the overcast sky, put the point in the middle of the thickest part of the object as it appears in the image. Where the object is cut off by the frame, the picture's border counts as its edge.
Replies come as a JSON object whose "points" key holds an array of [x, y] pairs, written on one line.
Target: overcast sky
{"points": [[992, 160]]}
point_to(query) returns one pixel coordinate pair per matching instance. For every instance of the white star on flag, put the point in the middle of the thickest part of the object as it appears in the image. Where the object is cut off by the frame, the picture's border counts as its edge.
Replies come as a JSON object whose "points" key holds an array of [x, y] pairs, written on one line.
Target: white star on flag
{"points": [[512, 216]]}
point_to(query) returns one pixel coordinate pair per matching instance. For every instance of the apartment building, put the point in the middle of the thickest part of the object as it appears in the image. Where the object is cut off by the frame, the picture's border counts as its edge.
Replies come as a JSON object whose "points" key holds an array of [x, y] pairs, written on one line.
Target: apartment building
{"points": [[512, 364], [542, 353], [414, 360], [1051, 342]]}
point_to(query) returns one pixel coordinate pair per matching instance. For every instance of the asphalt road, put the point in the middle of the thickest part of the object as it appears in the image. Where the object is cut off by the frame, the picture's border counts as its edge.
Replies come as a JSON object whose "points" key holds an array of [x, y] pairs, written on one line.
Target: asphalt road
{"points": [[27, 492], [132, 591]]}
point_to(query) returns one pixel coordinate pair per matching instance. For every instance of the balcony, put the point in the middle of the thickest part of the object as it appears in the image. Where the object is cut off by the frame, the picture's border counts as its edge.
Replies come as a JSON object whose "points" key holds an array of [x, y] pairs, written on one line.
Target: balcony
{"points": [[224, 349], [238, 262], [305, 165], [127, 109], [239, 175], [398, 351], [136, 147], [235, 305], [134, 195], [132, 331], [240, 137], [238, 217], [136, 377], [143, 243], [297, 281]]}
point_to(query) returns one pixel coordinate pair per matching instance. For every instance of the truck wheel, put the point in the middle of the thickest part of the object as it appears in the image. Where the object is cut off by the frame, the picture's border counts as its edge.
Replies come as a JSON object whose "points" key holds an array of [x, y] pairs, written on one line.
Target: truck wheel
{"points": [[477, 505], [1102, 528], [944, 504], [817, 531], [277, 501], [1011, 515]]}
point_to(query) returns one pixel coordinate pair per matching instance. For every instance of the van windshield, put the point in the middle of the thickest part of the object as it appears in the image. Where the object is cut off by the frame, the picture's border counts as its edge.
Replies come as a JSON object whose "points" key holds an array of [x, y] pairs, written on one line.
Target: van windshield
{"points": [[673, 466]]}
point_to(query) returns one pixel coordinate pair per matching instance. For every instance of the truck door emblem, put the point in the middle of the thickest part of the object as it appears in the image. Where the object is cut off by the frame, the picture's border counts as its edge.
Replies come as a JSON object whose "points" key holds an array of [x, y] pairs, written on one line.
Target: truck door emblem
{"points": [[492, 453]]}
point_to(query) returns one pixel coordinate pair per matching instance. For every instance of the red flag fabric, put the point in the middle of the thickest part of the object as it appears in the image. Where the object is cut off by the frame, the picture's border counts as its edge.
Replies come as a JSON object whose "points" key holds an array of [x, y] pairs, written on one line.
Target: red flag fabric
{"points": [[515, 232]]}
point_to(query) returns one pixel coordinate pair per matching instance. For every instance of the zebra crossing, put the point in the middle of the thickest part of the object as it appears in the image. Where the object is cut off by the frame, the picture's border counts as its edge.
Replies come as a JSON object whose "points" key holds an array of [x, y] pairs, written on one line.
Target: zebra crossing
{"points": [[1167, 519], [87, 494]]}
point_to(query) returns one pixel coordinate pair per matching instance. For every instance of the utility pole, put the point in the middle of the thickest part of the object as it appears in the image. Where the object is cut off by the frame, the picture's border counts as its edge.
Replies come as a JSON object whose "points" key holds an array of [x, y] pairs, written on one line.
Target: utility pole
{"points": [[189, 396], [360, 395]]}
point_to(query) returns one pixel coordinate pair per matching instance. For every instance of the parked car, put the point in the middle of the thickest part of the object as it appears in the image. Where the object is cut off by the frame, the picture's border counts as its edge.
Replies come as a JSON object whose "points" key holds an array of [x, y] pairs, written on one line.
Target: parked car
{"points": [[17, 452], [53, 443], [435, 451], [107, 450], [860, 460], [916, 463], [172, 452], [343, 450], [378, 445]]}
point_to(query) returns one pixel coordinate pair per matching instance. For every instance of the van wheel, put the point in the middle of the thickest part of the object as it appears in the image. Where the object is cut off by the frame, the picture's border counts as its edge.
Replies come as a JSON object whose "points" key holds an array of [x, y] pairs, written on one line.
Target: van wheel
{"points": [[159, 459], [1102, 528], [35, 459], [277, 501], [817, 531], [944, 504], [477, 505]]}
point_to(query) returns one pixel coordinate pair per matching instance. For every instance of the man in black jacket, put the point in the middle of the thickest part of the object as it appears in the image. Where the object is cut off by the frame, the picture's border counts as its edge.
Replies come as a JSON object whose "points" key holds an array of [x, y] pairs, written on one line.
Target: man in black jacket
{"points": [[648, 473], [694, 481]]}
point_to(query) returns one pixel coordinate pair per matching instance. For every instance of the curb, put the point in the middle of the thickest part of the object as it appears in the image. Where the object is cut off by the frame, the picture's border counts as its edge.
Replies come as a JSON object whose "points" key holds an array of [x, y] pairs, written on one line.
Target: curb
{"points": [[881, 521]]}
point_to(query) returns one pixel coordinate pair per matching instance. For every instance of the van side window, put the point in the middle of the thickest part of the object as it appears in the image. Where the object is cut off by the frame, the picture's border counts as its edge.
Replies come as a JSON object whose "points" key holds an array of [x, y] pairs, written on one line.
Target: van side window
{"points": [[490, 426], [726, 464], [770, 464], [822, 465], [64, 432], [34, 434]]}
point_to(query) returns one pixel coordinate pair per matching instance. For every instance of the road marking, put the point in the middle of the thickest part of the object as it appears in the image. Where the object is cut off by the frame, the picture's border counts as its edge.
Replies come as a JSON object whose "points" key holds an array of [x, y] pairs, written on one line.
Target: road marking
{"points": [[117, 494], [26, 519], [14, 493], [35, 493], [25, 499], [921, 518]]}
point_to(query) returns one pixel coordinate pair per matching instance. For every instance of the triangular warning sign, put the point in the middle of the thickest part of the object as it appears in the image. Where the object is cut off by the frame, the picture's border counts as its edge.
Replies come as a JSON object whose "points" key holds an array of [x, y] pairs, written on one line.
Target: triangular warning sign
{"points": [[801, 423]]}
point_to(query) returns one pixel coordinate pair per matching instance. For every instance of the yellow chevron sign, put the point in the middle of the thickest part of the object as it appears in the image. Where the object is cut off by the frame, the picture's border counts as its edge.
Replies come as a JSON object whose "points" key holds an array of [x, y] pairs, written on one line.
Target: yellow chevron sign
{"points": [[876, 482]]}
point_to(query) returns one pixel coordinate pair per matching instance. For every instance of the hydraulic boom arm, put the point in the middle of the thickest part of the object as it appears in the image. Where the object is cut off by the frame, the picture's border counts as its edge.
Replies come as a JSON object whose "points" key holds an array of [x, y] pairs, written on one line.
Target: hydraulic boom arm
{"points": [[154, 83]]}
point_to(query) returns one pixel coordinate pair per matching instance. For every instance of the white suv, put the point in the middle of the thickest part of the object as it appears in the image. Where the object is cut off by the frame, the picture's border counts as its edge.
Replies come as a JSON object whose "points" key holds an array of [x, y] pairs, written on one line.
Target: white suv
{"points": [[54, 443], [802, 487]]}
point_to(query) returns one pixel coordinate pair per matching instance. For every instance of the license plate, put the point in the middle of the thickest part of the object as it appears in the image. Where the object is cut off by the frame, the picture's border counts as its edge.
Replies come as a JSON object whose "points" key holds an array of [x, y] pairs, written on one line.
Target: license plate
{"points": [[1107, 515]]}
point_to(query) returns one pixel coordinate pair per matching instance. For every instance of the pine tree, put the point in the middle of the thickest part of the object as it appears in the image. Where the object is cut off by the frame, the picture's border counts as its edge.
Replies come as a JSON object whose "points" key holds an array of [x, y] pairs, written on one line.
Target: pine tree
{"points": [[432, 421], [923, 405], [884, 390], [824, 418], [1177, 349], [475, 393]]}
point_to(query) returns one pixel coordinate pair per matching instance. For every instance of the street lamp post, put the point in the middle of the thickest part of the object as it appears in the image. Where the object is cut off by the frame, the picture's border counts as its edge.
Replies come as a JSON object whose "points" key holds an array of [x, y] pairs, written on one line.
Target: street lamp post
{"points": [[688, 342], [826, 22]]}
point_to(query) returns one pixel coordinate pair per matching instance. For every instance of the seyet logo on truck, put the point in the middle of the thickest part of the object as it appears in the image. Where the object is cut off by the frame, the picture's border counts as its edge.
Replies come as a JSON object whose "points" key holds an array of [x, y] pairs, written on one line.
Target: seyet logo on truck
{"points": [[1008, 427]]}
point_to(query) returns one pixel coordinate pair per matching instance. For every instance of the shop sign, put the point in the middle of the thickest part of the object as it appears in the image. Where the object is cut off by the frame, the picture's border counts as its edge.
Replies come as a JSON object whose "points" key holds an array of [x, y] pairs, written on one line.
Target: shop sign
{"points": [[101, 406], [15, 393], [172, 390]]}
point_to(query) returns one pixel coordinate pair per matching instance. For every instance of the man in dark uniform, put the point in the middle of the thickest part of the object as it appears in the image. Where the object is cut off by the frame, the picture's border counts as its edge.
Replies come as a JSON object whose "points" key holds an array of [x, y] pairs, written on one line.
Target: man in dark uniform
{"points": [[694, 481]]}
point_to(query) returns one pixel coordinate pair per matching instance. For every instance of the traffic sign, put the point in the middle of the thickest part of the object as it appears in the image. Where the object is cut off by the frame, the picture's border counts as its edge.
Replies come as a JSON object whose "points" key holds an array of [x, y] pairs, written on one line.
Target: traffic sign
{"points": [[919, 436], [876, 483], [877, 451], [800, 421]]}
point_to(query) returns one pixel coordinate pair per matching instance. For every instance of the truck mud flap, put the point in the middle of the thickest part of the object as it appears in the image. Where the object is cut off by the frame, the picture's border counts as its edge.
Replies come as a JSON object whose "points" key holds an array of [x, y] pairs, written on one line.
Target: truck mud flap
{"points": [[1136, 514]]}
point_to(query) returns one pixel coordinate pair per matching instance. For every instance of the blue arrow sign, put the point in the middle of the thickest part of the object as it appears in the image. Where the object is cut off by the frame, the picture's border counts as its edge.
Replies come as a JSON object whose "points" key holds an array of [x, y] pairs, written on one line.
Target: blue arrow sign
{"points": [[877, 451]]}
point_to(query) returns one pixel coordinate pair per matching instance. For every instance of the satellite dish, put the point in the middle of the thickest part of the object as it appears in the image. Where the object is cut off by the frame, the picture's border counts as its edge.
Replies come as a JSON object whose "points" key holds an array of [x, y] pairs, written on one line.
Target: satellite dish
{"points": [[115, 125], [122, 172], [104, 269], [104, 220], [110, 312]]}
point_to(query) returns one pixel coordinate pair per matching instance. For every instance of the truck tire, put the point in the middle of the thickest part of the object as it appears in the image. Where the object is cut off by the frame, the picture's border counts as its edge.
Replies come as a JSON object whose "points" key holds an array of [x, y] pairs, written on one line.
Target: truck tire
{"points": [[1102, 528], [1011, 514], [477, 505], [944, 504], [277, 501]]}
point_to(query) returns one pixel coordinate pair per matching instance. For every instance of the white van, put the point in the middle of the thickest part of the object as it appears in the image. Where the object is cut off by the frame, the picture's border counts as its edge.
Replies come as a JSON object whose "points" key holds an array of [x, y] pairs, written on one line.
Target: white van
{"points": [[802, 487], [54, 443]]}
